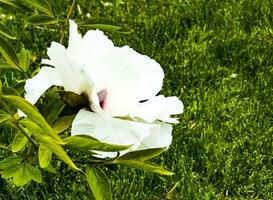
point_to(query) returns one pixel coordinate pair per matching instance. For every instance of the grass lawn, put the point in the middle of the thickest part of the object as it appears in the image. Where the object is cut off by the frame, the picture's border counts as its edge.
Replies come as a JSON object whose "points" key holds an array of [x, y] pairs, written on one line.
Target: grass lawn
{"points": [[217, 56]]}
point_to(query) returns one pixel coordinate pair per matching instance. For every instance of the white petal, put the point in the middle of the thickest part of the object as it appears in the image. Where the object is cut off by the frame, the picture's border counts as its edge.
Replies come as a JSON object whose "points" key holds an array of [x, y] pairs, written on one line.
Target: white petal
{"points": [[70, 72], [159, 108], [47, 62], [127, 76], [37, 85], [75, 47], [161, 136], [110, 130]]}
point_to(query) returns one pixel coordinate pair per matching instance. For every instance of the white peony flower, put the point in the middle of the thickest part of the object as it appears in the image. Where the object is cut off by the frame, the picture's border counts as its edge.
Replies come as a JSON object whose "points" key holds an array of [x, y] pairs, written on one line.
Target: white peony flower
{"points": [[121, 86]]}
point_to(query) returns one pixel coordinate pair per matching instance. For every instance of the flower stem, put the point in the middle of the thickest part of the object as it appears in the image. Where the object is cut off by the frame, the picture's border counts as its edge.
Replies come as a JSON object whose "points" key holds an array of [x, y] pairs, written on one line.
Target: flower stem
{"points": [[67, 20]]}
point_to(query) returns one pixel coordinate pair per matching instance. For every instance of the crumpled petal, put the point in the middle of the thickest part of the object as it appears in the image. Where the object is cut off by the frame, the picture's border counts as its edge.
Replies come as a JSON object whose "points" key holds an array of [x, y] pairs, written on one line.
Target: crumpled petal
{"points": [[159, 108], [121, 132], [37, 85], [160, 137]]}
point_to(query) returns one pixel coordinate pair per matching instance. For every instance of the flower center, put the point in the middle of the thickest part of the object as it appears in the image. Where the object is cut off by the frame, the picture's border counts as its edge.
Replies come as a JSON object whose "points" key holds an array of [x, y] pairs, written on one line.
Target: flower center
{"points": [[102, 97]]}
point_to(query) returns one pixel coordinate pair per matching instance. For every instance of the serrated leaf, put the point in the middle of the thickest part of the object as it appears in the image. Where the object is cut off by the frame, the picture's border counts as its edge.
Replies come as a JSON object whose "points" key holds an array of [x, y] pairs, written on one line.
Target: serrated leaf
{"points": [[63, 123], [10, 161], [4, 116], [142, 155], [144, 166], [41, 5], [105, 24], [44, 155], [98, 183], [33, 114], [41, 20], [19, 142], [6, 32], [24, 59], [48, 142], [8, 53], [15, 4], [87, 144]]}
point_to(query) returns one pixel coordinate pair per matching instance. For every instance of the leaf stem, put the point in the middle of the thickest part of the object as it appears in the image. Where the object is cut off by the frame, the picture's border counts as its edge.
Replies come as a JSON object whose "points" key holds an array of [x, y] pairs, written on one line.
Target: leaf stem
{"points": [[17, 125], [3, 147], [67, 20]]}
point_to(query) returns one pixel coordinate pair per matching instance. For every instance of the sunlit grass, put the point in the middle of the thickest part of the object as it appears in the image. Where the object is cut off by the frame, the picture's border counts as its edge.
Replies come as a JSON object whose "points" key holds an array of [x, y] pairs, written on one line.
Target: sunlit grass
{"points": [[218, 58]]}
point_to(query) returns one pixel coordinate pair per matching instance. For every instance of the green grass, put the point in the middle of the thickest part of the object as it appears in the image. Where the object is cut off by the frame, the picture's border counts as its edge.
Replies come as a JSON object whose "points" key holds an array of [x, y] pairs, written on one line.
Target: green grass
{"points": [[218, 59]]}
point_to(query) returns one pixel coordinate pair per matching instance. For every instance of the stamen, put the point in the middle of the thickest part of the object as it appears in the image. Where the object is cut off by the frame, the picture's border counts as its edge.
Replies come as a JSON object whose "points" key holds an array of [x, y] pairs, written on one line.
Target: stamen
{"points": [[102, 97]]}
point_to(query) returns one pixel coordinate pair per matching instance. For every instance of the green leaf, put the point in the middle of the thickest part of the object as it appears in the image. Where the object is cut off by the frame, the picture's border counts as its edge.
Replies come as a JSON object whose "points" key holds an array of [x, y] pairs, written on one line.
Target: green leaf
{"points": [[15, 4], [41, 5], [1, 88], [50, 169], [63, 123], [52, 110], [41, 20], [33, 172], [6, 66], [105, 24], [48, 142], [33, 114], [6, 32], [11, 171], [4, 116], [24, 59], [10, 161], [19, 86], [87, 144], [98, 183], [44, 155], [144, 166], [142, 155], [19, 142], [8, 53], [22, 173], [10, 91]]}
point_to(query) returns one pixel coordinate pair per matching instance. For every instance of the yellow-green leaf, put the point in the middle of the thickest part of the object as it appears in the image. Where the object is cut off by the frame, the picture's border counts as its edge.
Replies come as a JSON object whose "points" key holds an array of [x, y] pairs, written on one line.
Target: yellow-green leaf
{"points": [[87, 144], [10, 161], [24, 59], [33, 172], [16, 4], [49, 143], [41, 20], [8, 53], [6, 32], [33, 114], [41, 5], [144, 166], [44, 155], [63, 123], [142, 155], [98, 183], [4, 116], [19, 142]]}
